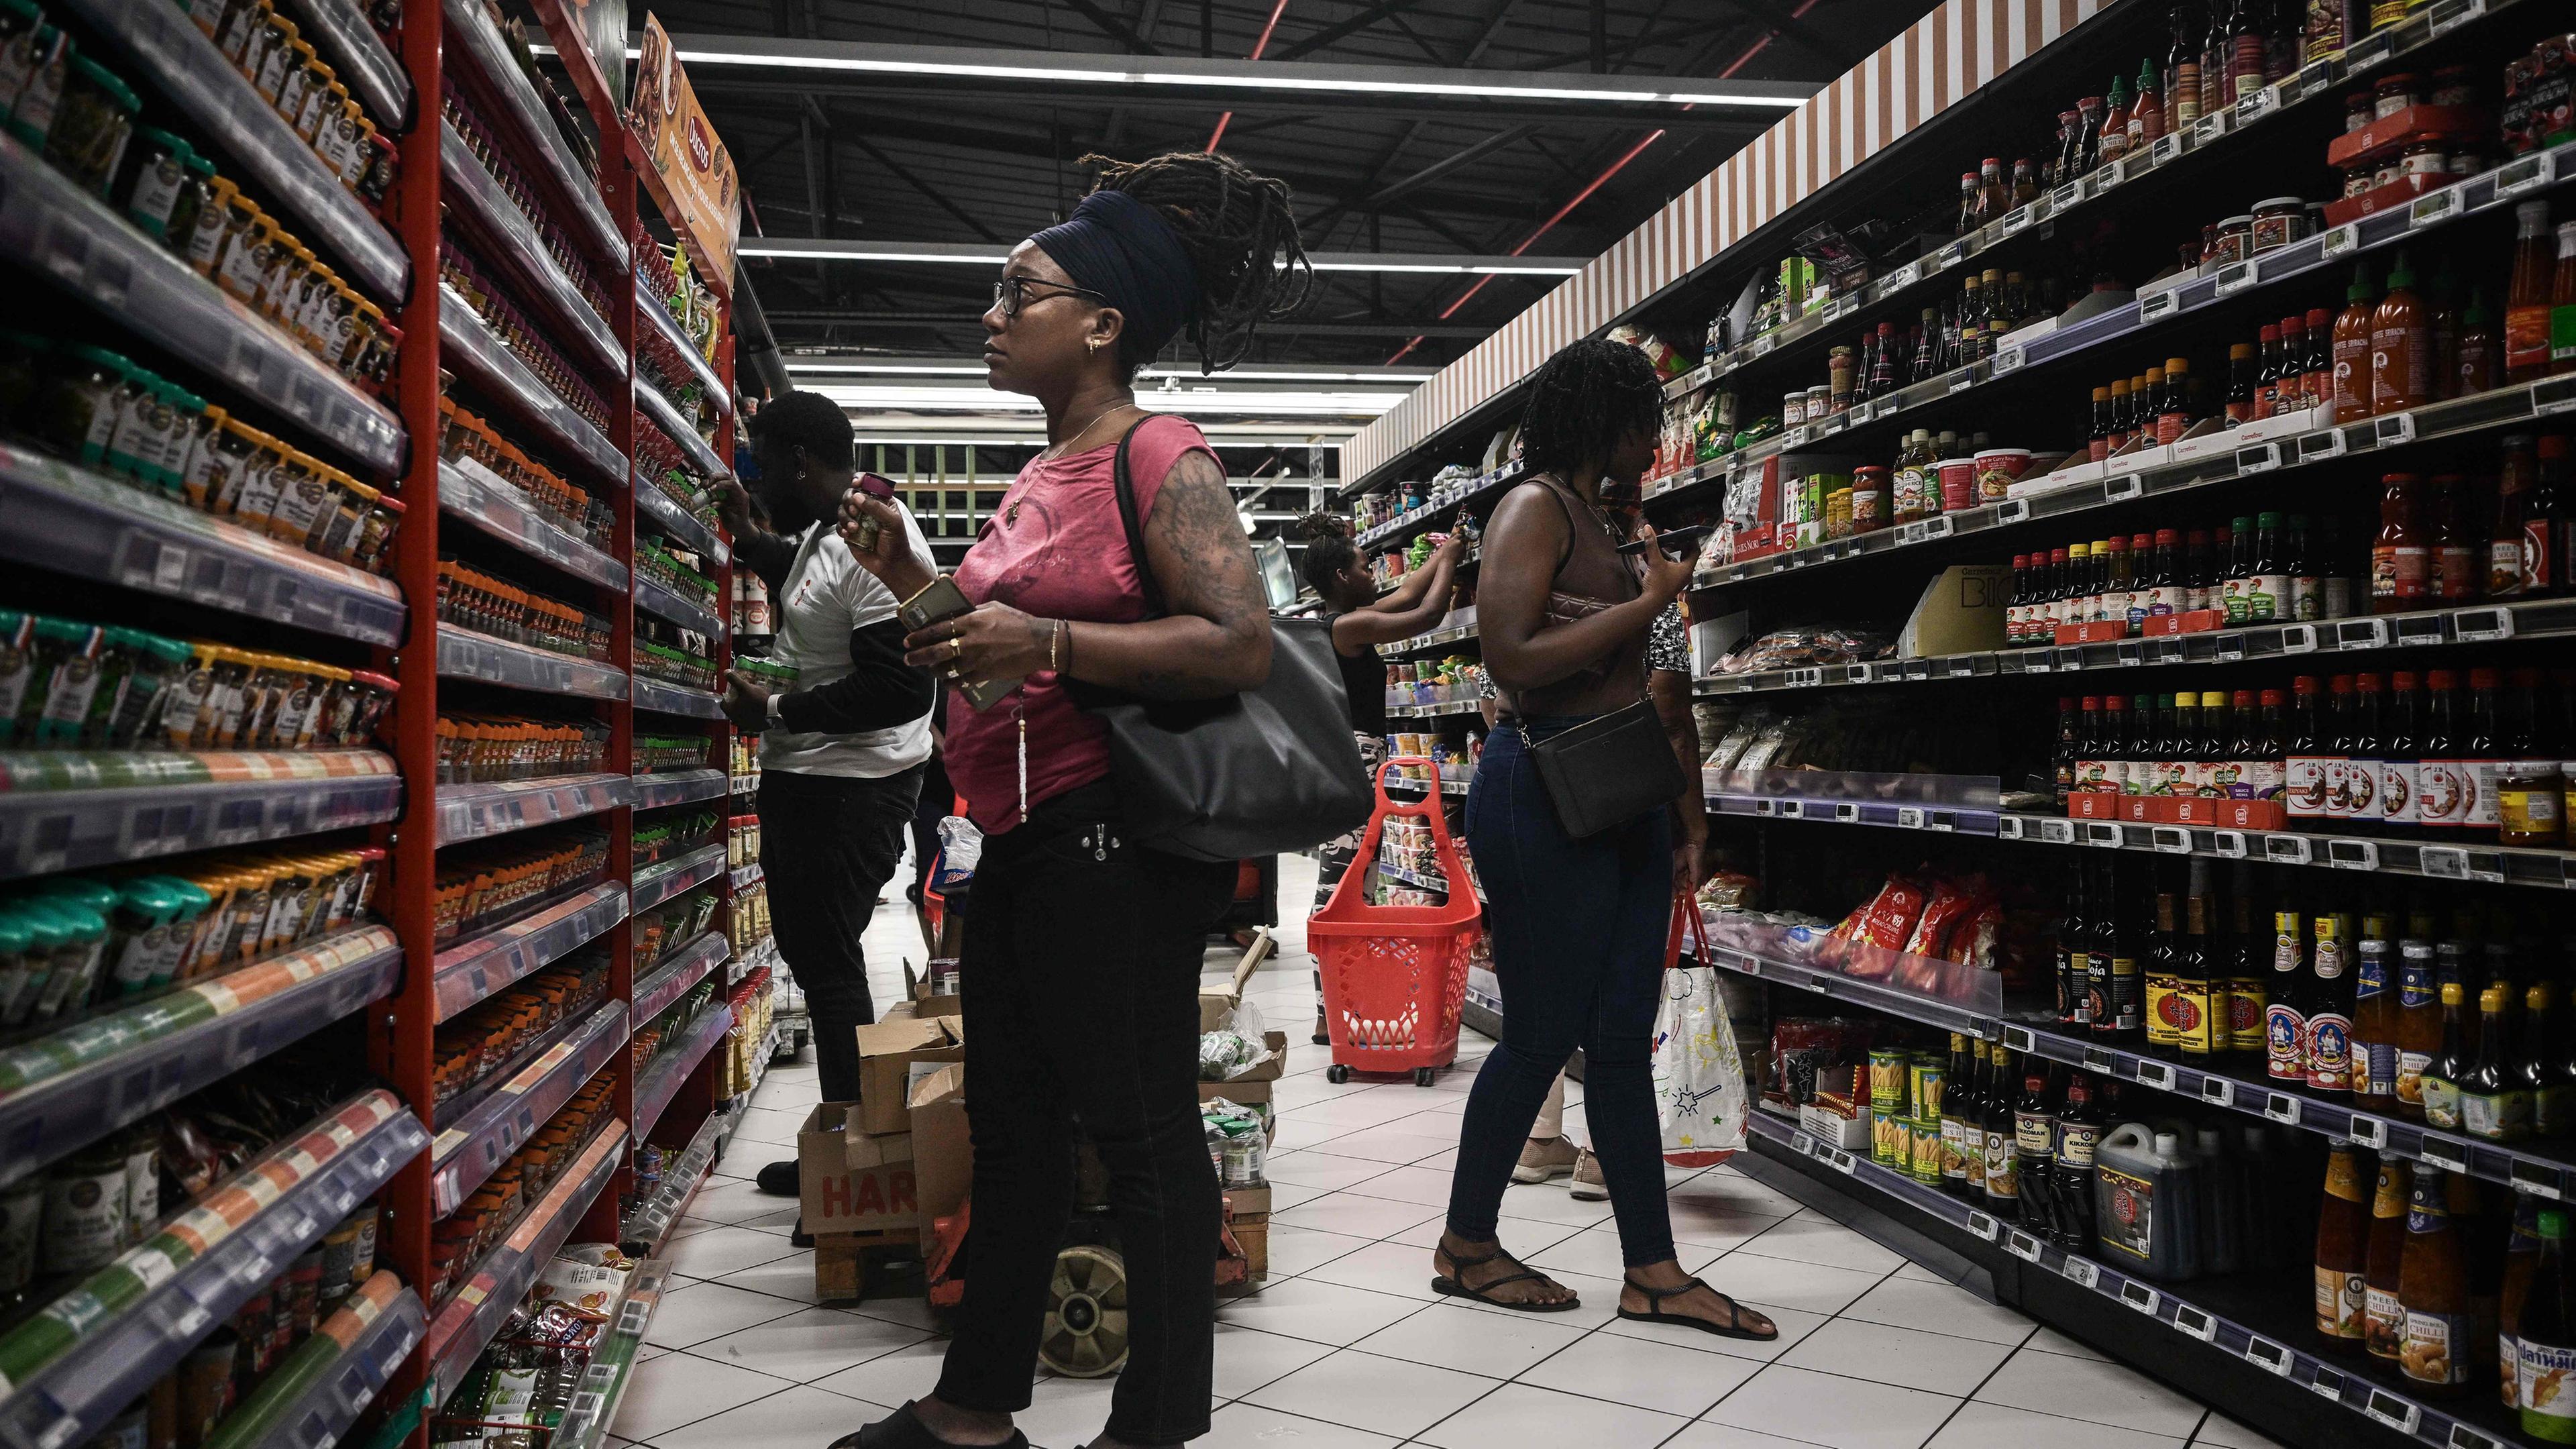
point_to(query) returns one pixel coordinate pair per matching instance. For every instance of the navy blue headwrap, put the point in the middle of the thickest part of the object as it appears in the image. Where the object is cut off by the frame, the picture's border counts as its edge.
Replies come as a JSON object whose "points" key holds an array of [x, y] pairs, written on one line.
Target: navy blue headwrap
{"points": [[1123, 249]]}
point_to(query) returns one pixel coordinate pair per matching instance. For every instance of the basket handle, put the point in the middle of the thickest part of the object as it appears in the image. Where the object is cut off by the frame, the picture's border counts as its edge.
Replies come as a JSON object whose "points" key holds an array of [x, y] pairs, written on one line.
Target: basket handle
{"points": [[1444, 847]]}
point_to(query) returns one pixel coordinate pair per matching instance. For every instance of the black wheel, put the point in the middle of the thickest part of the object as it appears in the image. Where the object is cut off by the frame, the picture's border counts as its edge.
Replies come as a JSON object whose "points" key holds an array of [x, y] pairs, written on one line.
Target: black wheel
{"points": [[1337, 1074], [1422, 1076], [1085, 1333]]}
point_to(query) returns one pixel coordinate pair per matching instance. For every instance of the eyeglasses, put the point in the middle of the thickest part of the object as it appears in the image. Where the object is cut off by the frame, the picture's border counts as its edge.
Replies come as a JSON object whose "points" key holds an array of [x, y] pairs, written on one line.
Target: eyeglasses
{"points": [[1012, 293]]}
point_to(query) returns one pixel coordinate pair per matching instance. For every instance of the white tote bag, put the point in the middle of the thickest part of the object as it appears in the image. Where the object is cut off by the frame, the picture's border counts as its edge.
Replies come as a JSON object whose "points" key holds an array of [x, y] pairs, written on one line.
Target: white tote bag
{"points": [[1699, 1076]]}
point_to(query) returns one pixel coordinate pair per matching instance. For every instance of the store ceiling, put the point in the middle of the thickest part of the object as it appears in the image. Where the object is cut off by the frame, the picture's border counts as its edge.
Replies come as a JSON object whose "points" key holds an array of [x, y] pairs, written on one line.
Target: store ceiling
{"points": [[986, 162]]}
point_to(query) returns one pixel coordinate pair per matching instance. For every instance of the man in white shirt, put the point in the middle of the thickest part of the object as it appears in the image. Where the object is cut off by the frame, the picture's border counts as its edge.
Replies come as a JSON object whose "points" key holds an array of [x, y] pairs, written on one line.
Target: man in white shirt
{"points": [[842, 751]]}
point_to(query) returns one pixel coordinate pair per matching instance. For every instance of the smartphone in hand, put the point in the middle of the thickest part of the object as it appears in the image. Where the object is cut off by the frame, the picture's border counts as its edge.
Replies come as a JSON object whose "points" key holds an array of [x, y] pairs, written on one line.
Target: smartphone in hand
{"points": [[1669, 539], [943, 600]]}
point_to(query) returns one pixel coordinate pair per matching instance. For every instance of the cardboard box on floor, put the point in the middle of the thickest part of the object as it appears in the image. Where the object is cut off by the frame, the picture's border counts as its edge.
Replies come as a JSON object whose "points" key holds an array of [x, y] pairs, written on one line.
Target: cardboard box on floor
{"points": [[943, 1154], [892, 1054], [922, 1000], [1255, 1085], [1216, 1001], [854, 1182]]}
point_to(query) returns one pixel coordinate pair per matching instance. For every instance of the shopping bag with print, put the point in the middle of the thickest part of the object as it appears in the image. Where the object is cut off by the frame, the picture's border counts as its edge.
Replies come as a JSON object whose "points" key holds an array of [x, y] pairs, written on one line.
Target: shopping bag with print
{"points": [[1700, 1103]]}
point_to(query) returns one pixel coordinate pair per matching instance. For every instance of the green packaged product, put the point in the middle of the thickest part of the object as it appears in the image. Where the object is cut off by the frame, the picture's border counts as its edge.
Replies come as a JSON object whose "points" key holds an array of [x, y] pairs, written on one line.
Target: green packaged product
{"points": [[92, 125]]}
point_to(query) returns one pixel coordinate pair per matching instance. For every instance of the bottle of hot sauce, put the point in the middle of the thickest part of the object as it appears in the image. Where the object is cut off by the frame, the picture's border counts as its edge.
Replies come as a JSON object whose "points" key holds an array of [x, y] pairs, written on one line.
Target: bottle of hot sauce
{"points": [[2182, 69], [2401, 558], [2474, 368], [2147, 117], [2241, 370], [2526, 303], [2457, 570], [2319, 388], [2352, 329], [2173, 408], [2266, 393], [2385, 1327], [2562, 304], [2401, 345], [2508, 575]]}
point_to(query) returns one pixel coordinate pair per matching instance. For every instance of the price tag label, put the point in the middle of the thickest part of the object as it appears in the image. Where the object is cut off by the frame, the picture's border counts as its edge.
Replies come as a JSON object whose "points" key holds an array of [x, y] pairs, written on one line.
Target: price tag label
{"points": [[2265, 1354], [2257, 105], [2391, 1410], [2338, 241], [2327, 1384], [1844, 1162], [2446, 862], [2464, 1437], [2328, 443], [1762, 346], [2210, 127], [2298, 638], [1909, 533], [2098, 1062], [1794, 438], [2012, 510], [2102, 833], [1846, 812], [2557, 395], [1802, 1144], [2040, 662], [2369, 53], [2007, 360], [2448, 1156], [2079, 1270], [2281, 1107], [2171, 839], [2433, 208], [2237, 276], [2016, 220], [2287, 849], [2022, 1245], [2450, 14], [2156, 1074], [2123, 487], [1962, 380], [1909, 816], [2018, 1038], [2542, 1178], [2361, 634], [2367, 1130], [2261, 458], [2528, 174], [1984, 1225], [2353, 854], [2167, 147], [2008, 827], [1955, 253], [2218, 1091], [2482, 625], [2057, 832], [2195, 1322], [2158, 303], [1900, 279], [2393, 429], [2229, 844], [2140, 1297]]}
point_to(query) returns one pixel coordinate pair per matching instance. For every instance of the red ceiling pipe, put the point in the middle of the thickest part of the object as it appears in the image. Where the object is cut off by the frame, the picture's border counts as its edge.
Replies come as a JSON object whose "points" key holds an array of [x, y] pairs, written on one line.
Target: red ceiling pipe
{"points": [[1258, 46]]}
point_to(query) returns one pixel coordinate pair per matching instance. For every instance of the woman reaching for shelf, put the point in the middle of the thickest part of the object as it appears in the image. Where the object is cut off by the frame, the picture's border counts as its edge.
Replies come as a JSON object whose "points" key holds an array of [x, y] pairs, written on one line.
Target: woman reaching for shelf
{"points": [[1579, 922], [1082, 947]]}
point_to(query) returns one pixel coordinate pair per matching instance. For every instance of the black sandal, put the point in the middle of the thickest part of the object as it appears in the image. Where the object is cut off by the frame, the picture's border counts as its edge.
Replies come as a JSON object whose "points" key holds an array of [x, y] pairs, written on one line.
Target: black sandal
{"points": [[1457, 1287], [903, 1429], [1732, 1328]]}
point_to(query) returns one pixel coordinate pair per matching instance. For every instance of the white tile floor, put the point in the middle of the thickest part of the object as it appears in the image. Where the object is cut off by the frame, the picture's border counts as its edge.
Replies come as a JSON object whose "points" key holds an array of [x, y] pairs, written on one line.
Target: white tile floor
{"points": [[1347, 1348]]}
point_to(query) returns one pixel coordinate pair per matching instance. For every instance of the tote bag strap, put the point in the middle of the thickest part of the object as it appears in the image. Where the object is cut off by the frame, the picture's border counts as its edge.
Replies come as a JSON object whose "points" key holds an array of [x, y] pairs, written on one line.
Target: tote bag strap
{"points": [[1126, 486]]}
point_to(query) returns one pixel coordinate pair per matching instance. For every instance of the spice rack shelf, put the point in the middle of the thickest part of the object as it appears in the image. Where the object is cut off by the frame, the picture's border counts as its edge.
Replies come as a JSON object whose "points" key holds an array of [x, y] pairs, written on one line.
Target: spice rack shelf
{"points": [[465, 654], [659, 510], [467, 1153], [658, 883], [612, 1364], [656, 313], [2436, 860], [1457, 788], [71, 521], [666, 416], [318, 1417], [62, 1091], [662, 698], [480, 811], [677, 787], [473, 969], [63, 233], [664, 602], [477, 49], [1433, 711], [466, 340], [1405, 525], [764, 953], [663, 1075], [471, 492], [196, 78], [679, 971], [650, 1223], [466, 1321], [73, 810], [514, 243], [746, 875], [77, 1363], [1430, 642], [358, 57]]}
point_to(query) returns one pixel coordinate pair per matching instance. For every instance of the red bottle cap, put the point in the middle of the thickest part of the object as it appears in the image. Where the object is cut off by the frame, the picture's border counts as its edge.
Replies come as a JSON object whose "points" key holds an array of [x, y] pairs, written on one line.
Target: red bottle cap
{"points": [[2166, 536], [2441, 679], [2482, 679], [2272, 697], [2304, 684], [2366, 683], [2402, 680], [2244, 697]]}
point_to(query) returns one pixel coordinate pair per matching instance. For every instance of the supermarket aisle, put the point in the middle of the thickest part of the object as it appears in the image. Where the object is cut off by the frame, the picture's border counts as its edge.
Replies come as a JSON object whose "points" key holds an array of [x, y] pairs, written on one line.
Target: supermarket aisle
{"points": [[1347, 1348]]}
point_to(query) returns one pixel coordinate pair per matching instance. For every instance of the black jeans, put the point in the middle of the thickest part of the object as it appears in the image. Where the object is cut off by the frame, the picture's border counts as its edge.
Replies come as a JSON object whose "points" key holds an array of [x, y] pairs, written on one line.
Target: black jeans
{"points": [[1081, 972], [828, 844], [938, 801], [1579, 929]]}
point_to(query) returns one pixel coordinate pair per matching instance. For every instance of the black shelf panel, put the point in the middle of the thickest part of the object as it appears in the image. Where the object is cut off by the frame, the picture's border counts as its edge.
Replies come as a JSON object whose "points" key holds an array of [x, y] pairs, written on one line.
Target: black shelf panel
{"points": [[326, 1409], [471, 492], [69, 520], [467, 971], [666, 416], [466, 1154], [478, 811], [475, 44], [467, 343], [664, 602], [189, 72], [658, 883], [63, 1091], [680, 969], [2432, 860], [464, 654], [660, 511], [472, 190], [466, 1321], [678, 787], [664, 1074], [68, 236], [132, 1322], [666, 698], [165, 804], [657, 315]]}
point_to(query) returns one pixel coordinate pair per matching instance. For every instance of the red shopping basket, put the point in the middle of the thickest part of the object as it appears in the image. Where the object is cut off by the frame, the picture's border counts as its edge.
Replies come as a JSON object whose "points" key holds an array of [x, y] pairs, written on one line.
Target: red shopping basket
{"points": [[1395, 977]]}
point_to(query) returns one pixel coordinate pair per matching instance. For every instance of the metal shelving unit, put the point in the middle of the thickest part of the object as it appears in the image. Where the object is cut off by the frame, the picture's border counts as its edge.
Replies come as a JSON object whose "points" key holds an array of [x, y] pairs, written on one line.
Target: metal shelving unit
{"points": [[612, 1363], [664, 698], [664, 602], [467, 1152], [514, 244], [474, 968], [476, 811], [671, 1066], [656, 884], [478, 50], [464, 654], [666, 416], [324, 1413], [470, 491], [358, 57], [657, 315], [679, 970], [116, 806], [468, 342], [664, 514], [461, 1325], [663, 789]]}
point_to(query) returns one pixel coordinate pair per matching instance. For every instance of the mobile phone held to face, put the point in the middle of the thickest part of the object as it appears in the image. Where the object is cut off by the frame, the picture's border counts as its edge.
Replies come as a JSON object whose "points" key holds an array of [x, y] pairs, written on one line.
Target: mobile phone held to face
{"points": [[1671, 539], [941, 601], [879, 487]]}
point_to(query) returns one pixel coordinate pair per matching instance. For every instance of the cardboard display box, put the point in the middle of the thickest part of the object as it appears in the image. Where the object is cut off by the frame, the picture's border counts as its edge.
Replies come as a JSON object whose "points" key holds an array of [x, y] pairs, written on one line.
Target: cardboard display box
{"points": [[892, 1054], [1252, 1234], [853, 1182], [1216, 1001], [943, 1154]]}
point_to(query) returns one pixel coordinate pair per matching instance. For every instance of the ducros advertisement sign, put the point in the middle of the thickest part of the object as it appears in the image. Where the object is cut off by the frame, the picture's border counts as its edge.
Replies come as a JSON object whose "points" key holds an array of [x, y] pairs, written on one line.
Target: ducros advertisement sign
{"points": [[696, 170]]}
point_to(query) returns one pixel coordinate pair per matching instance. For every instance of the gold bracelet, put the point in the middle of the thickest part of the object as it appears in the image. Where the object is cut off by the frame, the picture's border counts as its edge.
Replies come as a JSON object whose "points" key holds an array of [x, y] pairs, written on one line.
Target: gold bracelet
{"points": [[1055, 636]]}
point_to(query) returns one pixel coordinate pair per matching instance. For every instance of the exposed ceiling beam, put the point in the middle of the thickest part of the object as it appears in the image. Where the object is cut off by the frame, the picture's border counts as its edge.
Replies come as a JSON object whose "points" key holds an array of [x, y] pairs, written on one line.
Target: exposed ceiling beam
{"points": [[1352, 26], [733, 60], [1115, 28]]}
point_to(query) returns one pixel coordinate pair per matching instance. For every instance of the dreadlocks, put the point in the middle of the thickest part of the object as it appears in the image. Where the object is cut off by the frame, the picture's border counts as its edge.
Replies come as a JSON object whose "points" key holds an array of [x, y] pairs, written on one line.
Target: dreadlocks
{"points": [[1240, 235], [1584, 400], [1329, 550]]}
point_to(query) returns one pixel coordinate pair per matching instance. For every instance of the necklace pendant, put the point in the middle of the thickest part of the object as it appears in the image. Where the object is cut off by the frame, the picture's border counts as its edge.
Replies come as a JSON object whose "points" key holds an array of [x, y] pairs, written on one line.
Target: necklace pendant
{"points": [[1011, 515]]}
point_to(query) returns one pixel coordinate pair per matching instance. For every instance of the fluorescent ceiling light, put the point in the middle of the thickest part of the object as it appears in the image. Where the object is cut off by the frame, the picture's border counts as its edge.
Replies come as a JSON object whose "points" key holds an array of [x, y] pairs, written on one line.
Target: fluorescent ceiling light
{"points": [[927, 367], [833, 249], [1283, 402], [961, 62]]}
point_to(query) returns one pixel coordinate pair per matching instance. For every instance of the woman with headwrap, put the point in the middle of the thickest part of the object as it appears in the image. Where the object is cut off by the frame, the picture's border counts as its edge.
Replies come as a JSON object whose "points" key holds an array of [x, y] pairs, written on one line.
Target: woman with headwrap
{"points": [[1082, 948]]}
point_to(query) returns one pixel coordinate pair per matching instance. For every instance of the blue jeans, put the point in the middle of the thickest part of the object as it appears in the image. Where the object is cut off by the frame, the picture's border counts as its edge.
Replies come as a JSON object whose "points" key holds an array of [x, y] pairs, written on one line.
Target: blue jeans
{"points": [[1579, 930]]}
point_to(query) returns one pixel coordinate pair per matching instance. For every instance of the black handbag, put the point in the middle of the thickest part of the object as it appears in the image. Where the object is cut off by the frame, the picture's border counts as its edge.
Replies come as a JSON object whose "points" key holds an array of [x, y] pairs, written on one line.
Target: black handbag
{"points": [[1610, 769], [1268, 770]]}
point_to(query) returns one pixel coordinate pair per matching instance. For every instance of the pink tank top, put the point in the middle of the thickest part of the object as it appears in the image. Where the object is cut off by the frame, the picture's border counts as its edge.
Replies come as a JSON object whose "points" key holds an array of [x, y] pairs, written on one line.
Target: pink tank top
{"points": [[1055, 549]]}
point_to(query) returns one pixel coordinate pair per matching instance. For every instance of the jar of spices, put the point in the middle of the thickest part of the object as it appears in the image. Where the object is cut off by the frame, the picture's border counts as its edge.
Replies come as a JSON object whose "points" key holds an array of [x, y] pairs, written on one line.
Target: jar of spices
{"points": [[2528, 797], [2425, 156], [2395, 93], [2235, 240], [2453, 86], [2466, 161], [320, 81], [1820, 402], [242, 25], [294, 80], [2278, 221], [2357, 181], [43, 57], [91, 128], [1793, 407], [196, 191], [272, 55], [1839, 368], [2359, 110], [149, 180], [1868, 498]]}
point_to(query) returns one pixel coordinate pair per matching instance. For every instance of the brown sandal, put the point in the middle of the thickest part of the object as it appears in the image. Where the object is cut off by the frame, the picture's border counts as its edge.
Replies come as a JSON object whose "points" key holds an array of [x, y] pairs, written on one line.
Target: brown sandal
{"points": [[1457, 1287], [1732, 1328]]}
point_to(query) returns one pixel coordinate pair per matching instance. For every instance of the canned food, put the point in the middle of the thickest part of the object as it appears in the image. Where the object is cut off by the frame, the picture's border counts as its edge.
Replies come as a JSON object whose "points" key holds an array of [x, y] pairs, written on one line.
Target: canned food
{"points": [[1887, 1081], [1891, 1139]]}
